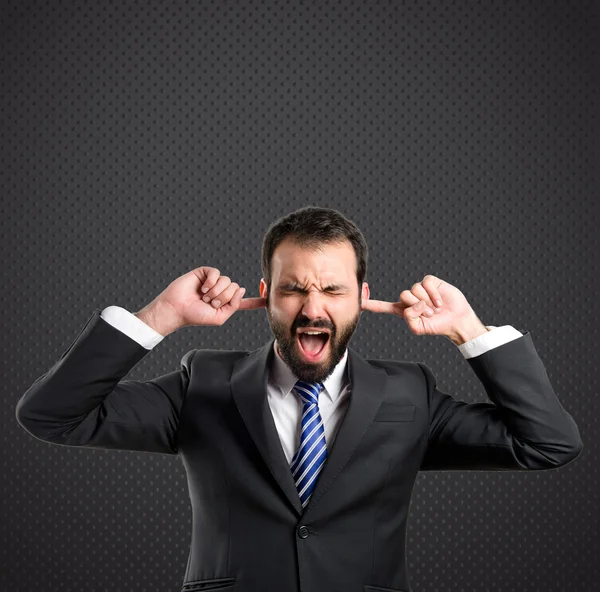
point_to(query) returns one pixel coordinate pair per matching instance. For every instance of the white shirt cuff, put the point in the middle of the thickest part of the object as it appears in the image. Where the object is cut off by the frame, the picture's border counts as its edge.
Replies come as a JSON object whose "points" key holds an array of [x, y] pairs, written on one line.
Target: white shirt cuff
{"points": [[495, 337], [128, 323]]}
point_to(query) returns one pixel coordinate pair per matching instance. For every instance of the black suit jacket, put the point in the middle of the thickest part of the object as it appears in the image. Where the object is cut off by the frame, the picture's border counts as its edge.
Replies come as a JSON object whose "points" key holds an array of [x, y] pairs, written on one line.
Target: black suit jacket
{"points": [[249, 531]]}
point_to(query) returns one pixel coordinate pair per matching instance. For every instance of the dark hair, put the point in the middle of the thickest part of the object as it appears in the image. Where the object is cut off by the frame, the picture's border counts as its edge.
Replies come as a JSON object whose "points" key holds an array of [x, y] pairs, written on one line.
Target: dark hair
{"points": [[312, 227]]}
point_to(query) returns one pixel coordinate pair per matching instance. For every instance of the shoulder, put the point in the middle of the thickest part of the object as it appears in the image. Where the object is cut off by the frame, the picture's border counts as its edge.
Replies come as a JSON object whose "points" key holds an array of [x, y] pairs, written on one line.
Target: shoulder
{"points": [[208, 355]]}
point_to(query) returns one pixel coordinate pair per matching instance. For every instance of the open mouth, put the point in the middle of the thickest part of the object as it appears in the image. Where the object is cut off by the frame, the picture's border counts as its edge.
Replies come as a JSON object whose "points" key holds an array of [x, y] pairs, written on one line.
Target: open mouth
{"points": [[313, 347]]}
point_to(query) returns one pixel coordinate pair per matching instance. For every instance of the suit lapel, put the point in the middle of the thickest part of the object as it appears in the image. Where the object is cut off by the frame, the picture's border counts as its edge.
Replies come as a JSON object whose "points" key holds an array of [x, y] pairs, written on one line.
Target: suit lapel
{"points": [[368, 385], [249, 390]]}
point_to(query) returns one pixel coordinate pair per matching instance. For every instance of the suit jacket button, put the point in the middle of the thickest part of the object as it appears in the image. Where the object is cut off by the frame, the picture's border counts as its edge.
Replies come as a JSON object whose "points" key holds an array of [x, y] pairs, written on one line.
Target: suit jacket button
{"points": [[303, 532]]}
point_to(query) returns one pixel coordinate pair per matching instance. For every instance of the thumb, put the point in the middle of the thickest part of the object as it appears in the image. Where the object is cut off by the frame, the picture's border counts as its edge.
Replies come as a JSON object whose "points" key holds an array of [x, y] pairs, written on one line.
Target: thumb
{"points": [[414, 316]]}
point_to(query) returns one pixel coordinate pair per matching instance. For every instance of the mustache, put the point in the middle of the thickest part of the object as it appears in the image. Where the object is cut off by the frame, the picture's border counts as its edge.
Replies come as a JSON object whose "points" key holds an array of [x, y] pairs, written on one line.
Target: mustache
{"points": [[317, 325]]}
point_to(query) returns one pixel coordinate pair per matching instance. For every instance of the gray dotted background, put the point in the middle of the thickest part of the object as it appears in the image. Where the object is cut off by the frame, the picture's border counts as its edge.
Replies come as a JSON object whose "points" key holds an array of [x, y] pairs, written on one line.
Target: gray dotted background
{"points": [[142, 139]]}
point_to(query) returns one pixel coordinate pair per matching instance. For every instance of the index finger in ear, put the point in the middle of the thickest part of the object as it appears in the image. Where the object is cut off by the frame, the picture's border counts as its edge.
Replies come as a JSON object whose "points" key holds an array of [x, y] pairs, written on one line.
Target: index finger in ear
{"points": [[252, 303], [379, 306]]}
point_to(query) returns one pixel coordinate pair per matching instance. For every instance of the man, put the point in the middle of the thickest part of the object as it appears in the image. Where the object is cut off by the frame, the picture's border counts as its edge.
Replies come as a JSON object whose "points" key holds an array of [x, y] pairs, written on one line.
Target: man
{"points": [[301, 455]]}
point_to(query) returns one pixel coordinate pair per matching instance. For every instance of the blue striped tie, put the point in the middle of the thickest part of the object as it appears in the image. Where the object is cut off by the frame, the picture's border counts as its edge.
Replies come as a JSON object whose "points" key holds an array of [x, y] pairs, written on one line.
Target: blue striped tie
{"points": [[312, 452]]}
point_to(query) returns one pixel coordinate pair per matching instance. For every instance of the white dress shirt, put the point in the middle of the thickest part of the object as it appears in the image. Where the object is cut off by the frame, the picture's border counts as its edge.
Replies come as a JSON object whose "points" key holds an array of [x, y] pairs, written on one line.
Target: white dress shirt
{"points": [[286, 406]]}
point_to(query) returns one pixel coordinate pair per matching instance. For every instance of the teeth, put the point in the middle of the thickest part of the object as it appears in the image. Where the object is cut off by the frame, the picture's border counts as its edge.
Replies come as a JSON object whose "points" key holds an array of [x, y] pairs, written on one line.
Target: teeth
{"points": [[314, 332]]}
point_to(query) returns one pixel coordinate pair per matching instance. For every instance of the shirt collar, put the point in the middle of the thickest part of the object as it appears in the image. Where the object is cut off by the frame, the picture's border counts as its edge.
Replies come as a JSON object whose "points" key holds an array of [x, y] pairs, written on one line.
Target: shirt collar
{"points": [[281, 375]]}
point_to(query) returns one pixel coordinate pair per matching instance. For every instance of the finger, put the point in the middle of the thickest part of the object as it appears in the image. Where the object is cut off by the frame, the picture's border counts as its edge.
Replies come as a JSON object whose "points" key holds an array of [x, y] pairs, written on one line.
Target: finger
{"points": [[222, 283], [432, 284], [412, 313], [225, 296], [408, 298], [251, 303], [421, 293], [234, 302], [211, 279], [381, 306]]}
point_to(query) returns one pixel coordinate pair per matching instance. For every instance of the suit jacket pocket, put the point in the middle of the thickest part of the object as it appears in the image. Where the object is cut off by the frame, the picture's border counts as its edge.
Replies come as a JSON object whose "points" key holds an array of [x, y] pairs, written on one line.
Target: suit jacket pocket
{"points": [[393, 412], [225, 584], [369, 588]]}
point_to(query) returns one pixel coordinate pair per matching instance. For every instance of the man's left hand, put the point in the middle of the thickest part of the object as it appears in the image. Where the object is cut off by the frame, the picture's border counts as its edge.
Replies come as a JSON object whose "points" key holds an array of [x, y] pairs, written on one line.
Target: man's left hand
{"points": [[453, 318]]}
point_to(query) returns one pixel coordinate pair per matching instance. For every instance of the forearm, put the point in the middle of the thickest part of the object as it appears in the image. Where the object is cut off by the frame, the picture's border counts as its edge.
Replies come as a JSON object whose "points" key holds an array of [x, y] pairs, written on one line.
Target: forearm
{"points": [[82, 378]]}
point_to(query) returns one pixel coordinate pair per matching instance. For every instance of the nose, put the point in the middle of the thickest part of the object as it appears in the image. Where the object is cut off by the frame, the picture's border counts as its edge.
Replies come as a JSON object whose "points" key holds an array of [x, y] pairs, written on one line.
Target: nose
{"points": [[313, 305]]}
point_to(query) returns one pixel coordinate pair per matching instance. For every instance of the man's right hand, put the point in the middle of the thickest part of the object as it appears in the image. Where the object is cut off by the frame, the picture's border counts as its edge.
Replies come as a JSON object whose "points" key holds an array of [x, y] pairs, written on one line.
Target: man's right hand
{"points": [[182, 302]]}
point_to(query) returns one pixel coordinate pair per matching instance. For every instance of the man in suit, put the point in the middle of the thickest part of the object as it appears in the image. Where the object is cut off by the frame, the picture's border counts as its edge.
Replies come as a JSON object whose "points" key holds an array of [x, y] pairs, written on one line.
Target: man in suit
{"points": [[301, 455]]}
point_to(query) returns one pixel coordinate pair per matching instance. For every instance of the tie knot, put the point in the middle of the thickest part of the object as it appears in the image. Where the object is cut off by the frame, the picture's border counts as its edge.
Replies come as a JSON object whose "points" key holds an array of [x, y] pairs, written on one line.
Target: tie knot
{"points": [[308, 391]]}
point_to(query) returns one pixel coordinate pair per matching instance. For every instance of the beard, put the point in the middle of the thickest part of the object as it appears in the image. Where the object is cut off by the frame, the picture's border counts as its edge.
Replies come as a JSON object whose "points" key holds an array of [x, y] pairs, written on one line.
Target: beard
{"points": [[288, 346]]}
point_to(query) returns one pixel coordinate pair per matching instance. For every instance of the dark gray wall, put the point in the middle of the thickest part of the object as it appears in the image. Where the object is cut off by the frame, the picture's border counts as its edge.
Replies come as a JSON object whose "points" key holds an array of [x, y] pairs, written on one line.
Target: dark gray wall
{"points": [[142, 139]]}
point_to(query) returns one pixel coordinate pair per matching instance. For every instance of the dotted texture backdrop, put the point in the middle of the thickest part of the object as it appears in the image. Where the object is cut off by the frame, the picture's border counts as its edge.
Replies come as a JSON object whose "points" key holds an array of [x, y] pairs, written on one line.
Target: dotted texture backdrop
{"points": [[142, 139]]}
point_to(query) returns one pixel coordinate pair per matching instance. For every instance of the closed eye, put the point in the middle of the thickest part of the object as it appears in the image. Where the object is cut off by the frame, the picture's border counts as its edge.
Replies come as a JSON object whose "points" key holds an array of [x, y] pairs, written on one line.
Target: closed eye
{"points": [[332, 290]]}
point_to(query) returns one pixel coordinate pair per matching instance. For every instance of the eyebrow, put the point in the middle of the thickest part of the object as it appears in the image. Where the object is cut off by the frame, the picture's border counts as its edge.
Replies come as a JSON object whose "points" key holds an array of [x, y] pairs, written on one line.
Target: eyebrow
{"points": [[293, 286]]}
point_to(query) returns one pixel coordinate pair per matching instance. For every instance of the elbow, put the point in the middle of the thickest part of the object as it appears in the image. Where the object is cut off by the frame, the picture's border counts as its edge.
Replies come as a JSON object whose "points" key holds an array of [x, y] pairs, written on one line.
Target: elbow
{"points": [[545, 456], [564, 450], [25, 421], [570, 451], [564, 454], [21, 415], [571, 446], [39, 427]]}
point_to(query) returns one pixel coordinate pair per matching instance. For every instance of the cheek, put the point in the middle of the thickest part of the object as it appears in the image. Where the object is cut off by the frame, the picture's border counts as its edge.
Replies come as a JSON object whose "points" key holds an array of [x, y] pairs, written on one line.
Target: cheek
{"points": [[283, 312], [286, 307], [347, 310]]}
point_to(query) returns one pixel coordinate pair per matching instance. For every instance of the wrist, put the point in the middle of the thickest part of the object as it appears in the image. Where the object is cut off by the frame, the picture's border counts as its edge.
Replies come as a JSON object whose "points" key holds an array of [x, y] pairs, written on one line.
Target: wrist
{"points": [[159, 317], [471, 329]]}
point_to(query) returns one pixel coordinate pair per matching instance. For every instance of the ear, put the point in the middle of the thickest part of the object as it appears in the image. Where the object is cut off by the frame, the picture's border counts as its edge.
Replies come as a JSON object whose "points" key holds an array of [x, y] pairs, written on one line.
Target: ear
{"points": [[365, 293], [263, 288]]}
